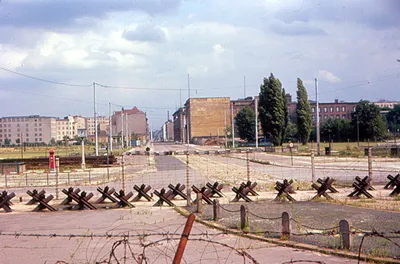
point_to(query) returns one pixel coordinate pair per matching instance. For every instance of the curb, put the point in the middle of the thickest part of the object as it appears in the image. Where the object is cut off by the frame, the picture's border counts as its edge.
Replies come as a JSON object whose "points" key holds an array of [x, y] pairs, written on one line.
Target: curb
{"points": [[292, 244]]}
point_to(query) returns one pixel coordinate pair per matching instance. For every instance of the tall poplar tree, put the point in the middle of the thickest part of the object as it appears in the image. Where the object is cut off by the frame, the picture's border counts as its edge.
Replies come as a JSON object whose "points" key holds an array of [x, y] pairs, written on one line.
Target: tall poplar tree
{"points": [[286, 115], [270, 108], [303, 111]]}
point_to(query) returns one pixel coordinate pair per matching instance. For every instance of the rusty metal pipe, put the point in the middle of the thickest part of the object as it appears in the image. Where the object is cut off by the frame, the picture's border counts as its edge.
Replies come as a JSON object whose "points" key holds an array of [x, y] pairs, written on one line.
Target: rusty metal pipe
{"points": [[184, 239]]}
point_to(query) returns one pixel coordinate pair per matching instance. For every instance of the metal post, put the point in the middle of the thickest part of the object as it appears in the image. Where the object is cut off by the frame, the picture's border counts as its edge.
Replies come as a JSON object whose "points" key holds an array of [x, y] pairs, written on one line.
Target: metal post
{"points": [[312, 167], [199, 201], [256, 110], [189, 200], [244, 220], [57, 171], [123, 173], [233, 130], [126, 130], [248, 165], [122, 130], [358, 132], [216, 210], [187, 115], [226, 132], [184, 239], [370, 164], [5, 180], [83, 155], [95, 120], [110, 138], [317, 118]]}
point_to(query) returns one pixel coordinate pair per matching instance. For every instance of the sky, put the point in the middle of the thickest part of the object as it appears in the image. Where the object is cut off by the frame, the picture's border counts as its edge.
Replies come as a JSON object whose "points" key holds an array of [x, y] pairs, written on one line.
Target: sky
{"points": [[146, 53]]}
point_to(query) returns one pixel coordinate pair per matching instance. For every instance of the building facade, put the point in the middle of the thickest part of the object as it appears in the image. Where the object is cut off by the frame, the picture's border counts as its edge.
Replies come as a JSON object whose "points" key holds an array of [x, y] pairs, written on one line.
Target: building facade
{"points": [[103, 125], [179, 122], [207, 117], [27, 129], [385, 104], [132, 122]]}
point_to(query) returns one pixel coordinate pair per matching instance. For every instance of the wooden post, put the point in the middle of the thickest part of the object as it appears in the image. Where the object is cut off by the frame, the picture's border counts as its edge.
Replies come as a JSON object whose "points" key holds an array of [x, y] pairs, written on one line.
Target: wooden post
{"points": [[26, 179], [370, 164], [216, 210], [345, 234], [199, 203], [248, 165], [68, 178], [47, 177], [184, 239], [5, 180], [243, 217], [285, 226]]}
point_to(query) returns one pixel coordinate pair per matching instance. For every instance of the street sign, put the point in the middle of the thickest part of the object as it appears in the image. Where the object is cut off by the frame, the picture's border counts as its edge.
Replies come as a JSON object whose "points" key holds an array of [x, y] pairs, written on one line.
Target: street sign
{"points": [[291, 145]]}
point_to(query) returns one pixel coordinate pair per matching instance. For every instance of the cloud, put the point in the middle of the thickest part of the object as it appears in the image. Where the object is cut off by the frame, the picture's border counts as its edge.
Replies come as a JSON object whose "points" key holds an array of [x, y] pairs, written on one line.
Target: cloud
{"points": [[328, 76], [56, 15], [297, 28], [376, 14], [146, 32]]}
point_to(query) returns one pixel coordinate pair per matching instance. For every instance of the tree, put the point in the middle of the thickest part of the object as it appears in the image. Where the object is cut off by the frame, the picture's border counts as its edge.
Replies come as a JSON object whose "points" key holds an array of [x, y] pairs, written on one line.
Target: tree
{"points": [[18, 141], [286, 115], [270, 109], [336, 130], [303, 111], [52, 142], [66, 139], [393, 118], [7, 142], [371, 125], [245, 122]]}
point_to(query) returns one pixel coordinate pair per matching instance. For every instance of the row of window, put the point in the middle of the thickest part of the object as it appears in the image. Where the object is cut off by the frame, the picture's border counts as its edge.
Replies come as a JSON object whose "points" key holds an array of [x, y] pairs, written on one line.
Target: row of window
{"points": [[27, 140], [18, 125], [326, 117], [17, 119], [18, 135], [331, 109], [18, 130]]}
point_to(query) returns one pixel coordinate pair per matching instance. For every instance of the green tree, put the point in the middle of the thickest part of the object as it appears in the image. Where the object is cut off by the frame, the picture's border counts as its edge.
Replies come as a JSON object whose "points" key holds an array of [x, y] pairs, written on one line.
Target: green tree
{"points": [[245, 123], [291, 132], [270, 109], [7, 142], [286, 115], [18, 141], [336, 130], [393, 118], [303, 111], [370, 122]]}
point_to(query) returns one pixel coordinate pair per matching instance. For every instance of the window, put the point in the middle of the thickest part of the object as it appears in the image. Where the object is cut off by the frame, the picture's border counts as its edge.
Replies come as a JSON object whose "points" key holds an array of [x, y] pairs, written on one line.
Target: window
{"points": [[27, 140], [325, 117], [354, 108], [40, 134], [325, 109], [343, 108], [35, 129], [40, 139], [331, 108], [13, 120], [9, 130], [0, 125], [18, 130], [17, 125], [9, 135], [337, 108], [313, 109], [344, 116], [35, 134], [1, 135], [17, 135], [27, 134], [40, 124], [35, 139], [40, 129], [35, 124], [0, 130]]}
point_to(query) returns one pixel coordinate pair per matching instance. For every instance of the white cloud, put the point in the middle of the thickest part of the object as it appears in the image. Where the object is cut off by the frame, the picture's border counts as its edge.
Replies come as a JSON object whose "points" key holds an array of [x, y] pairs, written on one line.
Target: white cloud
{"points": [[328, 76]]}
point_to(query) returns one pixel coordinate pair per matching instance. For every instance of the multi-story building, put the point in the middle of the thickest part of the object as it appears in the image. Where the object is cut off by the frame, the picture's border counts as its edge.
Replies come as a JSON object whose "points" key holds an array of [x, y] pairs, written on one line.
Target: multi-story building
{"points": [[207, 117], [69, 126], [167, 131], [134, 123], [27, 129], [337, 109], [179, 121], [386, 104], [241, 103], [103, 125]]}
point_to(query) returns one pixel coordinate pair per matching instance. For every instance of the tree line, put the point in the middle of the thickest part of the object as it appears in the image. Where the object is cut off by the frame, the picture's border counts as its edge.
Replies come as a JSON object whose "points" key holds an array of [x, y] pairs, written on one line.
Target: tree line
{"points": [[367, 121]]}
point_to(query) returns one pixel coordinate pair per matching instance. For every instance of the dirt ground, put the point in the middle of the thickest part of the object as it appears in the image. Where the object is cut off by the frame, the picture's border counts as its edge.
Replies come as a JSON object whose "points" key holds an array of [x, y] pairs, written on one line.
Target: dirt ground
{"points": [[317, 223]]}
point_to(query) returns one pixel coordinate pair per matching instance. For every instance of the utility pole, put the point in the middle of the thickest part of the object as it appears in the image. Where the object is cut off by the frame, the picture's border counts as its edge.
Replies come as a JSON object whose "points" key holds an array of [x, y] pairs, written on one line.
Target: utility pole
{"points": [[122, 129], [233, 129], [317, 125], [256, 108], [358, 132], [110, 139], [244, 86], [226, 131], [95, 119], [187, 115], [127, 129]]}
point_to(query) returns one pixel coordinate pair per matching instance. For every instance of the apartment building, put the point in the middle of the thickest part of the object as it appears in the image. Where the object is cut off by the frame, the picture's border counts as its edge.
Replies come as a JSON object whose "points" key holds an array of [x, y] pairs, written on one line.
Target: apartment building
{"points": [[69, 126], [28, 129], [179, 121], [103, 125], [386, 104], [134, 122], [336, 109]]}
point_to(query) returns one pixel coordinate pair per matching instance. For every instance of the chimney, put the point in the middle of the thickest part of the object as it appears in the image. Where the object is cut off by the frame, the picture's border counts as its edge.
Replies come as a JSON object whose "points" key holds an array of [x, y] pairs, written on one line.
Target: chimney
{"points": [[336, 101]]}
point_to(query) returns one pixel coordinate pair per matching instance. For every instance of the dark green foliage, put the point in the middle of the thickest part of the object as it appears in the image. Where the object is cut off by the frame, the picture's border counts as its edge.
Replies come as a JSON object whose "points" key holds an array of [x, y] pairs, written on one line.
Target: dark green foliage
{"points": [[371, 124], [338, 130], [393, 118], [303, 111], [246, 123], [286, 115], [270, 108]]}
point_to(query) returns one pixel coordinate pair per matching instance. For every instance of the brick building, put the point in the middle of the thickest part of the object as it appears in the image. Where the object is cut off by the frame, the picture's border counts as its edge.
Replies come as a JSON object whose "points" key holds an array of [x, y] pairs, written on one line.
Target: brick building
{"points": [[207, 117], [337, 109], [179, 121], [134, 123]]}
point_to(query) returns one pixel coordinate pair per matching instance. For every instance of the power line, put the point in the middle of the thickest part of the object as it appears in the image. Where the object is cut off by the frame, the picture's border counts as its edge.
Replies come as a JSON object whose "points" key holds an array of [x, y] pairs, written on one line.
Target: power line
{"points": [[44, 80]]}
